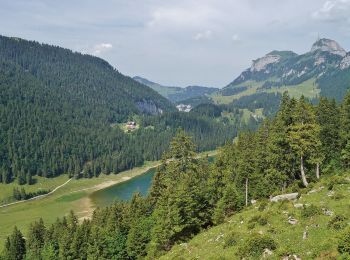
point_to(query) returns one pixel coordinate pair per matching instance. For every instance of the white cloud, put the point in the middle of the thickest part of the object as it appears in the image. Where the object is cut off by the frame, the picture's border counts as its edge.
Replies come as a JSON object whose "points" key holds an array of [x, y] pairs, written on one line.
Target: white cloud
{"points": [[333, 11], [235, 38], [189, 15], [203, 35], [101, 48]]}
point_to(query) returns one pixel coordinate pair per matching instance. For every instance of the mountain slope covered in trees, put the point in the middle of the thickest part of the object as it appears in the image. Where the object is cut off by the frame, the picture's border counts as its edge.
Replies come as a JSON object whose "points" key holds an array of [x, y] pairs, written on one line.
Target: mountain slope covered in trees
{"points": [[302, 147], [59, 111]]}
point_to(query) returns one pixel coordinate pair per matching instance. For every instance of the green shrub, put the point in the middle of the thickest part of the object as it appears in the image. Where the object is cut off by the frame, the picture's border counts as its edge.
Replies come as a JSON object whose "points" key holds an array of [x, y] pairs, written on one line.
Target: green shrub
{"points": [[259, 219], [295, 187], [231, 239], [338, 196], [272, 230], [338, 222], [345, 256], [344, 243], [335, 180], [310, 211], [263, 205], [251, 225], [254, 245]]}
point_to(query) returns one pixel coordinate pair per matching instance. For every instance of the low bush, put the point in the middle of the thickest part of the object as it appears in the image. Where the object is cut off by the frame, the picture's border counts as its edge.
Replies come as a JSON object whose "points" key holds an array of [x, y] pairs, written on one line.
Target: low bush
{"points": [[254, 246], [231, 239], [338, 222], [310, 211], [336, 180], [259, 219], [262, 205], [344, 243]]}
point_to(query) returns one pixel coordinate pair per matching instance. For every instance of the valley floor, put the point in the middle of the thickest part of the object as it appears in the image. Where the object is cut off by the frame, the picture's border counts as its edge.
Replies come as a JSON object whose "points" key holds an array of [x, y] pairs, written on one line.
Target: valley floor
{"points": [[74, 195]]}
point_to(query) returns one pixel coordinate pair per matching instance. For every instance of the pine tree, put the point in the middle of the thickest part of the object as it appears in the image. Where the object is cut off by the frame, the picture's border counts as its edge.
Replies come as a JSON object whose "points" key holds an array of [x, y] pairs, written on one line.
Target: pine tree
{"points": [[304, 136], [15, 248], [328, 117], [35, 240]]}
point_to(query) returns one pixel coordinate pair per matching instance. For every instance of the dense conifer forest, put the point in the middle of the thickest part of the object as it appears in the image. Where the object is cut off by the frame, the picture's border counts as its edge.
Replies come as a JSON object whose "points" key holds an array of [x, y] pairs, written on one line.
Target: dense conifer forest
{"points": [[58, 110], [300, 145]]}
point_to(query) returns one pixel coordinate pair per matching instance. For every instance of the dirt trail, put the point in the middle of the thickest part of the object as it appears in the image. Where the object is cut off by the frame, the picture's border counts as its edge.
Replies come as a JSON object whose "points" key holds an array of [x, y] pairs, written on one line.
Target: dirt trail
{"points": [[36, 197]]}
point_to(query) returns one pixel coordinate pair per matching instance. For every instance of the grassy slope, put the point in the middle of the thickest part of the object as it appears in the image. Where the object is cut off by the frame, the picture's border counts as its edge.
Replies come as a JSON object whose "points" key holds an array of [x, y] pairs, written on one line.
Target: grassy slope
{"points": [[6, 190], [307, 88], [321, 239]]}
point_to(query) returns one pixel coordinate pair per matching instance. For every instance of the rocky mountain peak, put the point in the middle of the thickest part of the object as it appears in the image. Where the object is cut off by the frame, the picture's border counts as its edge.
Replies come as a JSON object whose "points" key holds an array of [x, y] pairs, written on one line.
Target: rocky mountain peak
{"points": [[327, 45], [261, 63]]}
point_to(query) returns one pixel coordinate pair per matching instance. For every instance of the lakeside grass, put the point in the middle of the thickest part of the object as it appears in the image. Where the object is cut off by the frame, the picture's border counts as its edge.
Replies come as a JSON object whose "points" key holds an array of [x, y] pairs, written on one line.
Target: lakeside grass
{"points": [[59, 204]]}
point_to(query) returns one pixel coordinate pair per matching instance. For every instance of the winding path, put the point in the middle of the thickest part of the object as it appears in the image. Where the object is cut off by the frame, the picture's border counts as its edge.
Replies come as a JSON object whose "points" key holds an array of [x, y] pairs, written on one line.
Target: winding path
{"points": [[36, 197]]}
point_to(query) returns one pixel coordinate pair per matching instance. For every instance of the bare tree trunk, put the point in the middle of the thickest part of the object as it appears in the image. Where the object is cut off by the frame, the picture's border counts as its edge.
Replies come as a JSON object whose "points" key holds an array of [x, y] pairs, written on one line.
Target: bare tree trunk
{"points": [[303, 176], [317, 170], [246, 191]]}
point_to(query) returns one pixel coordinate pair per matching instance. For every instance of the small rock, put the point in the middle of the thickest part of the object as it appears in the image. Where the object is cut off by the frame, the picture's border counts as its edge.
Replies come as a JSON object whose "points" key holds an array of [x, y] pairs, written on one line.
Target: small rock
{"points": [[289, 196], [292, 221], [330, 194], [253, 202], [327, 212], [219, 237], [267, 252], [260, 232], [298, 206]]}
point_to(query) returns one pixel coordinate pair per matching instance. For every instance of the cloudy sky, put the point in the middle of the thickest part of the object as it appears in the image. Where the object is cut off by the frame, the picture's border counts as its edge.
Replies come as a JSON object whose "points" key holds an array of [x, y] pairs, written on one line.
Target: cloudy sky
{"points": [[178, 42]]}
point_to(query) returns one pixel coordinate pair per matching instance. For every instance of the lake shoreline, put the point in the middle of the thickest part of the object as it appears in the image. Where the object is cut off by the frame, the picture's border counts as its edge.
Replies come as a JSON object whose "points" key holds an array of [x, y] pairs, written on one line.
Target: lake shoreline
{"points": [[88, 207]]}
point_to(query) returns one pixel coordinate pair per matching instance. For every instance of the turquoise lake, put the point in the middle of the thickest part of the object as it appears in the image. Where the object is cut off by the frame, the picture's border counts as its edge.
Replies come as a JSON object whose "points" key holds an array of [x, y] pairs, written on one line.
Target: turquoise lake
{"points": [[125, 190]]}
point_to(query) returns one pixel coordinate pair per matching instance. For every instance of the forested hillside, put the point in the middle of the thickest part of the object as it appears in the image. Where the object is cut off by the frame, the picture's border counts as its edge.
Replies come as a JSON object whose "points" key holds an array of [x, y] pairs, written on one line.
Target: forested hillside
{"points": [[295, 150], [59, 109]]}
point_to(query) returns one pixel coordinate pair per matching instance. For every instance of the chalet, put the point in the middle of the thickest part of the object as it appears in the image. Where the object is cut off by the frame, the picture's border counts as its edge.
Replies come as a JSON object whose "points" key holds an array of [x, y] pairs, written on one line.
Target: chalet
{"points": [[131, 125]]}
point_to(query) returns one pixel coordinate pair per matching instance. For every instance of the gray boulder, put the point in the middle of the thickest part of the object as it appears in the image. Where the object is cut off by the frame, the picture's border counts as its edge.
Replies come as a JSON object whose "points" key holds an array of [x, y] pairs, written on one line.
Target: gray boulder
{"points": [[289, 196]]}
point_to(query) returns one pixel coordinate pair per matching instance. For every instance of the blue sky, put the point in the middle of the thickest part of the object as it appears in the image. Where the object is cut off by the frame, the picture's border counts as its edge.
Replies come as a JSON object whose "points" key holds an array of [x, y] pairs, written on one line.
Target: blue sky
{"points": [[182, 42]]}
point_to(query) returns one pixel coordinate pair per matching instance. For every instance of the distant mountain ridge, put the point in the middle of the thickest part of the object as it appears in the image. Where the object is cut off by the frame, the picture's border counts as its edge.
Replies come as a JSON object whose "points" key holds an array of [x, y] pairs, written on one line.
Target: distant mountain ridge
{"points": [[324, 70], [178, 94]]}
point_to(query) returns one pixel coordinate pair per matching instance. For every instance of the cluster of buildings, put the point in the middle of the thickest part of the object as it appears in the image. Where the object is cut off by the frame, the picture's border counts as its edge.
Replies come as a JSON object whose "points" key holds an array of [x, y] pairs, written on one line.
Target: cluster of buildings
{"points": [[184, 108]]}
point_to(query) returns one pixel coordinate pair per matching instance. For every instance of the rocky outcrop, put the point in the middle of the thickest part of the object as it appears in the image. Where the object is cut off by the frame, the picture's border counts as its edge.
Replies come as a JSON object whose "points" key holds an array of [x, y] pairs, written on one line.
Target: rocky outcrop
{"points": [[330, 46], [289, 196], [261, 64], [148, 107], [345, 63]]}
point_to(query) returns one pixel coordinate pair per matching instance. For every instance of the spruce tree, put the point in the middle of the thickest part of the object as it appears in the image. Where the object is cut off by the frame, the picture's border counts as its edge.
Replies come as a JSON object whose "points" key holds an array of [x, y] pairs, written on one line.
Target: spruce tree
{"points": [[15, 248]]}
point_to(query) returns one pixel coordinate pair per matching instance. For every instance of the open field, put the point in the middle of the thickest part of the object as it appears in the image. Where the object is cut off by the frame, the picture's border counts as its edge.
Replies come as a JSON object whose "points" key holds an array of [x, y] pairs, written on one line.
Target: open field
{"points": [[307, 89], [73, 196]]}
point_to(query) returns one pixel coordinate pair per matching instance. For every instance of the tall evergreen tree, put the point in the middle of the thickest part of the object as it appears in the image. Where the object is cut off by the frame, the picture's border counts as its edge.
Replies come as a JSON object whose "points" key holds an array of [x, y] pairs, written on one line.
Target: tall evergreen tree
{"points": [[15, 248]]}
